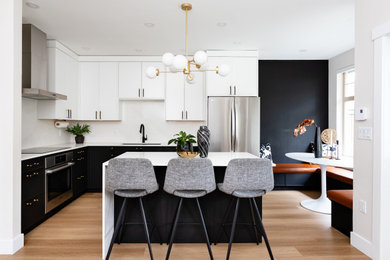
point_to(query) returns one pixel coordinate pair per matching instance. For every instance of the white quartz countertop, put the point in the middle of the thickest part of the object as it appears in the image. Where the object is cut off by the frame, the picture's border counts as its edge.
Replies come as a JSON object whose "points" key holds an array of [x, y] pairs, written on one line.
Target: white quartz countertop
{"points": [[162, 158], [73, 146]]}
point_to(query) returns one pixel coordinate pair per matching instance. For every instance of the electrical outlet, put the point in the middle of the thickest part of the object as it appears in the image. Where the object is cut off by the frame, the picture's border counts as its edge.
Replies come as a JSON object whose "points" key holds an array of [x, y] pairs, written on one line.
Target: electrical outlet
{"points": [[365, 133], [363, 206]]}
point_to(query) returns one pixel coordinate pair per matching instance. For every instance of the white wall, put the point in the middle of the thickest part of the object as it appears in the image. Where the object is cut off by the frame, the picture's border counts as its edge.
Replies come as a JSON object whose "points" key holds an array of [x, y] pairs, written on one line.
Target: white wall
{"points": [[369, 14], [150, 113], [11, 238], [39, 132]]}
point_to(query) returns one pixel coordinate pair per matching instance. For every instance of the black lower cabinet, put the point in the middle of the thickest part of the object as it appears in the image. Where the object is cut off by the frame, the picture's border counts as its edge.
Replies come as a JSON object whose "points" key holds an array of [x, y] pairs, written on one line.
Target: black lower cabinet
{"points": [[80, 172], [33, 193], [33, 211]]}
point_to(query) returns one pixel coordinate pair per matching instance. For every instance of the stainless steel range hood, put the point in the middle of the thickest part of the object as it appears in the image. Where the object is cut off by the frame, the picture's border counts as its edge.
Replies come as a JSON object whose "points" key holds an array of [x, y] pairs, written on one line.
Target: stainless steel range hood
{"points": [[34, 65]]}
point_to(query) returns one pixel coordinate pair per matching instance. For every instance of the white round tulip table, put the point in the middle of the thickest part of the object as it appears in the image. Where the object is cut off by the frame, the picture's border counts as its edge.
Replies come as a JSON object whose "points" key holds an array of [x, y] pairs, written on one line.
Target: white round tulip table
{"points": [[322, 204]]}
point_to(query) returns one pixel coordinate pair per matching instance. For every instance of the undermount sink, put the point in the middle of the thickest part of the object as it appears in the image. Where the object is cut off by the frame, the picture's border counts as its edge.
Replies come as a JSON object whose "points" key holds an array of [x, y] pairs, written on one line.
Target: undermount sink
{"points": [[141, 143]]}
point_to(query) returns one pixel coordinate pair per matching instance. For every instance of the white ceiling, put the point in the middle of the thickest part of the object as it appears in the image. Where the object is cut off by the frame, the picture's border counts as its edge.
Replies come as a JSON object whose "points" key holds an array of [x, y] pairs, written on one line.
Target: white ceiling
{"points": [[278, 29]]}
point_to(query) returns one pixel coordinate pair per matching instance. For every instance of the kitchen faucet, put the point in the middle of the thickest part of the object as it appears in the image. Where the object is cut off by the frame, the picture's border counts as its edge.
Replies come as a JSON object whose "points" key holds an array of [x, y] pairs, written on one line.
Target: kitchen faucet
{"points": [[142, 131]]}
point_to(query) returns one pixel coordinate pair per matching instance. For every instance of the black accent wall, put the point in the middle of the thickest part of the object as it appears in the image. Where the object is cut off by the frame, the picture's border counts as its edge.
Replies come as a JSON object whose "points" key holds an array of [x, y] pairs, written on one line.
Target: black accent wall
{"points": [[291, 91]]}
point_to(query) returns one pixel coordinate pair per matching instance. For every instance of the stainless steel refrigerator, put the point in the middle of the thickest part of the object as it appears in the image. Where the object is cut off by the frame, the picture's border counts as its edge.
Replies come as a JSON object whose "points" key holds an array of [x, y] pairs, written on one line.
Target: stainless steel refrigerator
{"points": [[234, 124]]}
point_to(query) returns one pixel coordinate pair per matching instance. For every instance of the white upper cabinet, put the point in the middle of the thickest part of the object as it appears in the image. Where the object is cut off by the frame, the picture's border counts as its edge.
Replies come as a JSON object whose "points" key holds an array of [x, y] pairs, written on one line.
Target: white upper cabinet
{"points": [[62, 78], [153, 89], [185, 101], [108, 91], [89, 90], [99, 91], [135, 85], [130, 80], [174, 101], [241, 81]]}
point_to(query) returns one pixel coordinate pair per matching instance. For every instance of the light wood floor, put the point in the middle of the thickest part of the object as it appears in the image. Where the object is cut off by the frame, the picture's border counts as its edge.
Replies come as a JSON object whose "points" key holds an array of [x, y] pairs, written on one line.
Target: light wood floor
{"points": [[294, 233]]}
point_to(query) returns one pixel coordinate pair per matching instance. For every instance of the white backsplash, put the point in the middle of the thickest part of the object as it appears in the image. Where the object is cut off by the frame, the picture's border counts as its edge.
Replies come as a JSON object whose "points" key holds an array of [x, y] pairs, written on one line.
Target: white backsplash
{"points": [[150, 113]]}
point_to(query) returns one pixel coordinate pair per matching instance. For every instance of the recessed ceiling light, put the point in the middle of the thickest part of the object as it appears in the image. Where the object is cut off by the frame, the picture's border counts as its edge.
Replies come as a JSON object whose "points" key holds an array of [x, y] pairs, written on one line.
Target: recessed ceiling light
{"points": [[32, 5], [149, 25], [303, 50], [221, 24]]}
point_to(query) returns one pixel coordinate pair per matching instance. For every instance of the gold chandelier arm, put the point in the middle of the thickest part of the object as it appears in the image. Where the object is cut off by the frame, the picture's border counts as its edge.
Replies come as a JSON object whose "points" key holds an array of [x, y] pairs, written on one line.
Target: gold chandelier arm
{"points": [[186, 33]]}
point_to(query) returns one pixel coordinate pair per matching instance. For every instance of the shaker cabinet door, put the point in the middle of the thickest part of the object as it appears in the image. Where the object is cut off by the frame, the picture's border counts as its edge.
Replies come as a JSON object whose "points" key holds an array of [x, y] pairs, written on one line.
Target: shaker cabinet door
{"points": [[89, 91], [108, 91], [153, 89], [130, 80], [174, 102]]}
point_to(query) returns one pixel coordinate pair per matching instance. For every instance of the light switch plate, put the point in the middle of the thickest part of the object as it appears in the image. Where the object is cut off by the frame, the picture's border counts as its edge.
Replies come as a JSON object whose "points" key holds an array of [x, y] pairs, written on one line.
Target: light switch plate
{"points": [[363, 206], [365, 133]]}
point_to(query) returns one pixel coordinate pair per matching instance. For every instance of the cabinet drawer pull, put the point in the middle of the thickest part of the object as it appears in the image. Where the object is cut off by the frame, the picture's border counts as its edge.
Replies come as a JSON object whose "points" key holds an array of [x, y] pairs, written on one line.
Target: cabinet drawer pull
{"points": [[230, 90], [143, 92], [100, 114], [139, 92], [186, 114], [36, 200], [235, 92], [95, 114], [182, 114], [28, 203]]}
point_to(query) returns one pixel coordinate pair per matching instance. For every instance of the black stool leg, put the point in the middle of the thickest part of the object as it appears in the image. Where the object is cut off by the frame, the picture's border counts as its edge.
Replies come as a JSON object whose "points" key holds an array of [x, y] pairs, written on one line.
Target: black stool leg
{"points": [[263, 230], [233, 228], [120, 235], [170, 231], [224, 219], [204, 229], [146, 227], [121, 213], [254, 221], [174, 228]]}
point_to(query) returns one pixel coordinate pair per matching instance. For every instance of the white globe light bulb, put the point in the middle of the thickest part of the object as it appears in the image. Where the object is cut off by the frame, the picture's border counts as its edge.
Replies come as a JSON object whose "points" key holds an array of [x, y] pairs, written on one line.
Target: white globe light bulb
{"points": [[223, 70], [200, 57], [167, 59], [151, 72], [179, 62]]}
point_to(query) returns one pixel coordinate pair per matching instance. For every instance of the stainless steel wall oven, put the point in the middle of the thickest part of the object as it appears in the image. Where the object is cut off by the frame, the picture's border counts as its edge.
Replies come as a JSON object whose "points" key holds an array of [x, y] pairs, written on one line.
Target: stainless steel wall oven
{"points": [[58, 179]]}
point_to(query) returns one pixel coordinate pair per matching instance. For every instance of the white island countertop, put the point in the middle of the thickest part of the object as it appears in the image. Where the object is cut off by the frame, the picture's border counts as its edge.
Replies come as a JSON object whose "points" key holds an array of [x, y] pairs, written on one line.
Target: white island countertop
{"points": [[162, 158]]}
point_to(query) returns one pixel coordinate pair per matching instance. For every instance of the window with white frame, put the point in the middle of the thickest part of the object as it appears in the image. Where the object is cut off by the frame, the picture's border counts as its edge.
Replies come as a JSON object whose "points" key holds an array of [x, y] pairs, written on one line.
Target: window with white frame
{"points": [[348, 110]]}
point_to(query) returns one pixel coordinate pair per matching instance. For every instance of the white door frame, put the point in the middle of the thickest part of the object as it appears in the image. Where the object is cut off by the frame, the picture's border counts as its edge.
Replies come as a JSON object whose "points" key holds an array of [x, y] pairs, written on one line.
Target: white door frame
{"points": [[381, 143]]}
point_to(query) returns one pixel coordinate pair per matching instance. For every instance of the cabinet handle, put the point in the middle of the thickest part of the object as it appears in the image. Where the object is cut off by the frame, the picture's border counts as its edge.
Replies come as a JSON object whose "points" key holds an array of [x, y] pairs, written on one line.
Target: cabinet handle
{"points": [[100, 114], [71, 113], [143, 92], [182, 114], [186, 114], [95, 114], [235, 90], [230, 90], [139, 92]]}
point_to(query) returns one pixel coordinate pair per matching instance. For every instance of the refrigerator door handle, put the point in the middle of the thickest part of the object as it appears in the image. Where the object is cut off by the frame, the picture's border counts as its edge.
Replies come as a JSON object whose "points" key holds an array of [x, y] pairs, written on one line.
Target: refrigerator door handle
{"points": [[234, 125]]}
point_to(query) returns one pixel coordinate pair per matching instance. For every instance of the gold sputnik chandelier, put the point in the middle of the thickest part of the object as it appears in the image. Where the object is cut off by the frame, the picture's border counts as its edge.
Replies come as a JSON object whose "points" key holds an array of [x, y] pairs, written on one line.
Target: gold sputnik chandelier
{"points": [[183, 64]]}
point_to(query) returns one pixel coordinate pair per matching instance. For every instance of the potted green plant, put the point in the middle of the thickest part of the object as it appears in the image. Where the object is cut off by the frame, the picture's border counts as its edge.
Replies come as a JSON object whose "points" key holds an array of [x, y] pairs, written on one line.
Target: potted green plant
{"points": [[183, 141], [78, 130]]}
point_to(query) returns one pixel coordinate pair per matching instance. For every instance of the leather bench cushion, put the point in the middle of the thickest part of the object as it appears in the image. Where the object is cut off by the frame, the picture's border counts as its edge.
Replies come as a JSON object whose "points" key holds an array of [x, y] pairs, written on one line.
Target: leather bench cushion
{"points": [[343, 197]]}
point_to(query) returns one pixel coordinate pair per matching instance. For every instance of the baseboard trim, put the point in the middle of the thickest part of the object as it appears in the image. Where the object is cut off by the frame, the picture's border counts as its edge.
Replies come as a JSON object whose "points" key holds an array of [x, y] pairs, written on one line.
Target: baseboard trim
{"points": [[11, 246], [361, 244]]}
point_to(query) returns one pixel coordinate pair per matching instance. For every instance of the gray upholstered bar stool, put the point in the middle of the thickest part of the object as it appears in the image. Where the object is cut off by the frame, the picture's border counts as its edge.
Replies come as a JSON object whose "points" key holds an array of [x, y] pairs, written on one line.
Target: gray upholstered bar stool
{"points": [[189, 179], [248, 179], [130, 178]]}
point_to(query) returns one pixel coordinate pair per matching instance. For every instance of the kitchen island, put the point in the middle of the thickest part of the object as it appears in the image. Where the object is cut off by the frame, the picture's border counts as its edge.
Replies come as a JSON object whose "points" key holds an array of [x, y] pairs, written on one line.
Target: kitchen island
{"points": [[160, 207]]}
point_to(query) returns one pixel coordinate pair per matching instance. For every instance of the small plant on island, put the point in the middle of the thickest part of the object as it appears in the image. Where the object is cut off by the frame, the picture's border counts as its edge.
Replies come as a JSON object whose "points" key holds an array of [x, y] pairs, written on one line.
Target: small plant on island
{"points": [[183, 141]]}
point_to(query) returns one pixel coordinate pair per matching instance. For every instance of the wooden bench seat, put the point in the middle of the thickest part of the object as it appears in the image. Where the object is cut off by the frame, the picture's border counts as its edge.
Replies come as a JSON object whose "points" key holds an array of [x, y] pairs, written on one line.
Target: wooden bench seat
{"points": [[342, 203]]}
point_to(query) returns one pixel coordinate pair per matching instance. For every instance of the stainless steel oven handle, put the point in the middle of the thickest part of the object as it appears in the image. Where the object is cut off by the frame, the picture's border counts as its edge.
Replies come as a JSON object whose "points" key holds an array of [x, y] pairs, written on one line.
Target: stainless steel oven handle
{"points": [[69, 164]]}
